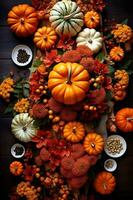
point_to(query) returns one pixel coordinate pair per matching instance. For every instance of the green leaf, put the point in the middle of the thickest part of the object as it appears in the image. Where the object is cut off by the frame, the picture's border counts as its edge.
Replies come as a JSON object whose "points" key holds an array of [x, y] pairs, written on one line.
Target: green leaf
{"points": [[25, 92], [35, 65], [111, 70], [125, 21], [8, 110], [100, 56]]}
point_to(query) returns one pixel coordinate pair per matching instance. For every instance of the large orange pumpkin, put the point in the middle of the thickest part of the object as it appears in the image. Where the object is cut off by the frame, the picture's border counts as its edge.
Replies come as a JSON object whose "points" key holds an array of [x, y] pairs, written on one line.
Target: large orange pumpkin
{"points": [[124, 119], [68, 82], [74, 131], [93, 144], [16, 168], [23, 20], [45, 38], [104, 183]]}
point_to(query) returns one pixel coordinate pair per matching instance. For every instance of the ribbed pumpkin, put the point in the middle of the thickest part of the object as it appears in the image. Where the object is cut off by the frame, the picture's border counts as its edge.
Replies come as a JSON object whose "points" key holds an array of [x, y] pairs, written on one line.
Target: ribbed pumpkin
{"points": [[93, 143], [116, 54], [90, 38], [92, 19], [68, 82], [16, 168], [45, 38], [66, 18], [23, 20], [124, 119], [74, 131], [104, 183]]}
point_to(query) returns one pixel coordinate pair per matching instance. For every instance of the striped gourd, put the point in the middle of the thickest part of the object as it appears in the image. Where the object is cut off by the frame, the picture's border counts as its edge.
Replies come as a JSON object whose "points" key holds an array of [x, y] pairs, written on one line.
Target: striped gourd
{"points": [[66, 18]]}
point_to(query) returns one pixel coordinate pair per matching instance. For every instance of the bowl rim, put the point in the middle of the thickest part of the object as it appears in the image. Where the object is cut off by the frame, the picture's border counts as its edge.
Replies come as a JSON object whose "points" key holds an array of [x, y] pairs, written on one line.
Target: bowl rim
{"points": [[12, 150]]}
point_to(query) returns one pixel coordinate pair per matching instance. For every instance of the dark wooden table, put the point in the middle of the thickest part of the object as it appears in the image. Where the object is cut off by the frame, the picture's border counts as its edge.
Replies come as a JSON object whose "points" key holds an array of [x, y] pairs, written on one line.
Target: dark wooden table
{"points": [[119, 9]]}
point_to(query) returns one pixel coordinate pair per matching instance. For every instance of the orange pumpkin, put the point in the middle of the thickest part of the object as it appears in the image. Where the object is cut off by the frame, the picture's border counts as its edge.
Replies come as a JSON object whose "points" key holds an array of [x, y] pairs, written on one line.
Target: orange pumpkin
{"points": [[74, 131], [45, 38], [92, 19], [116, 54], [23, 20], [16, 168], [104, 183], [93, 143], [68, 82], [124, 119]]}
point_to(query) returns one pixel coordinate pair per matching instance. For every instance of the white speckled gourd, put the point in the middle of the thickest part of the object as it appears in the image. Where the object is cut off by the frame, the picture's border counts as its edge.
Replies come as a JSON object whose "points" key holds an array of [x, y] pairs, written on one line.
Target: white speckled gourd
{"points": [[66, 18], [90, 38], [23, 127]]}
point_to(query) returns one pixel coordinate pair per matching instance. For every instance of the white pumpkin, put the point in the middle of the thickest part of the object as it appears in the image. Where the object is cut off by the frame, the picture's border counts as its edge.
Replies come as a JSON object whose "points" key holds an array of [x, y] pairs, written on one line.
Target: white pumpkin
{"points": [[66, 18], [90, 38], [22, 127]]}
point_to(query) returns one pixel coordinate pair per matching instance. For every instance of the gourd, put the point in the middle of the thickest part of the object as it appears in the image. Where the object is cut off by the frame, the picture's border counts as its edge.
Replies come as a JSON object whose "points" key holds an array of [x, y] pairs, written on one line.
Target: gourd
{"points": [[45, 38], [74, 131], [116, 54], [16, 168], [90, 38], [66, 18], [92, 19], [23, 127], [23, 20], [93, 143], [68, 82], [124, 119], [104, 183]]}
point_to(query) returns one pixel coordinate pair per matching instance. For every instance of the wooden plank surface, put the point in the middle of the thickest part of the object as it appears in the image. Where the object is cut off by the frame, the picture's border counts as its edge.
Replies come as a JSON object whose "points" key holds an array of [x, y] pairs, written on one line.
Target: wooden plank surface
{"points": [[124, 173]]}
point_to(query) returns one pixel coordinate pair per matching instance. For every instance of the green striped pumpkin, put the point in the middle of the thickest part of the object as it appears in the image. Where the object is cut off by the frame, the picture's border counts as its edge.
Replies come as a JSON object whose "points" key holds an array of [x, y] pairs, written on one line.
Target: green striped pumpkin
{"points": [[66, 18]]}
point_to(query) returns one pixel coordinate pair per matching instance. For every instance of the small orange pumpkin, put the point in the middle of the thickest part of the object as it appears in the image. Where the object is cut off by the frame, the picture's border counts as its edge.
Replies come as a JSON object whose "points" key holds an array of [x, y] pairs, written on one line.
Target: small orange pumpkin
{"points": [[104, 183], [74, 131], [23, 20], [16, 168], [45, 38], [116, 54], [93, 144], [92, 19], [68, 82], [124, 119]]}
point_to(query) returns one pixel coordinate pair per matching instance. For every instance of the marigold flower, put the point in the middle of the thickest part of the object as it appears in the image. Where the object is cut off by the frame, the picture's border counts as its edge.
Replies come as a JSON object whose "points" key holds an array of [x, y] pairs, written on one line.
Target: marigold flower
{"points": [[22, 106], [122, 33], [6, 88]]}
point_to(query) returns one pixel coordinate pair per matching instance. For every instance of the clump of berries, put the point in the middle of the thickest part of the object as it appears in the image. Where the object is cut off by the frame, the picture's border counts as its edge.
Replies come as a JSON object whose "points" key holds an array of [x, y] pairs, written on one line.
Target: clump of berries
{"points": [[6, 88], [22, 106]]}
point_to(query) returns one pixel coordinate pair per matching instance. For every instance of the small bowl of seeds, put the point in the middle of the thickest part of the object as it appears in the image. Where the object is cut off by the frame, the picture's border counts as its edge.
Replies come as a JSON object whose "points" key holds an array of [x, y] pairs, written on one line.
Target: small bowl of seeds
{"points": [[21, 55], [115, 146], [17, 150], [110, 165]]}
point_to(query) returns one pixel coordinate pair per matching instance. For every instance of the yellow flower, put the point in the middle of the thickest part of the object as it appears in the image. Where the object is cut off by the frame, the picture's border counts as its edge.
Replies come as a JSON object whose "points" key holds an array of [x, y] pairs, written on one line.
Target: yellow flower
{"points": [[22, 105], [6, 87], [122, 32]]}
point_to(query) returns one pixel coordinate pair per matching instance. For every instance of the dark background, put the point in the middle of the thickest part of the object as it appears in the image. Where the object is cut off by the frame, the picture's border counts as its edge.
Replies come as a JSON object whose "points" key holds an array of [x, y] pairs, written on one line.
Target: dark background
{"points": [[119, 9]]}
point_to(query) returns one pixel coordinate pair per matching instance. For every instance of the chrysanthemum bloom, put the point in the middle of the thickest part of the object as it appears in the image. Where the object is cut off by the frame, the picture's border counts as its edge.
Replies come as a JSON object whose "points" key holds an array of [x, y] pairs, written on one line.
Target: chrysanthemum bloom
{"points": [[81, 166], [68, 114], [77, 150], [77, 182], [66, 173], [39, 111], [88, 63], [54, 105], [44, 154], [22, 105], [84, 51], [122, 32], [67, 162], [71, 56]]}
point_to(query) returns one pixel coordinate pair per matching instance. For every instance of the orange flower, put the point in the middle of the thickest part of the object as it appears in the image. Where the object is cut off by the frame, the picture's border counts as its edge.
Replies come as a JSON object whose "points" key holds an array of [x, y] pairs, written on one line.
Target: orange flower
{"points": [[116, 54], [71, 56], [51, 57]]}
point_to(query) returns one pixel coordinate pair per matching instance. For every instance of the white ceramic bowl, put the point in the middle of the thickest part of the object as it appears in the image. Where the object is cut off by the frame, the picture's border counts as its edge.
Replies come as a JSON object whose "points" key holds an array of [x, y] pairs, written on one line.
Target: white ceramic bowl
{"points": [[13, 152], [15, 53], [122, 141], [111, 168]]}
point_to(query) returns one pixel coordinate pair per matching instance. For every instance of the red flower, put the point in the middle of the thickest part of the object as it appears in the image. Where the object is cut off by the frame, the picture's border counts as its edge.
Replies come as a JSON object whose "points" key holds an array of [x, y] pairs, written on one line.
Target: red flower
{"points": [[39, 111], [67, 162], [71, 56], [65, 43], [88, 63], [108, 83], [97, 96], [51, 57], [66, 173], [84, 51], [41, 138], [77, 150], [29, 173], [44, 154], [101, 68], [77, 182]]}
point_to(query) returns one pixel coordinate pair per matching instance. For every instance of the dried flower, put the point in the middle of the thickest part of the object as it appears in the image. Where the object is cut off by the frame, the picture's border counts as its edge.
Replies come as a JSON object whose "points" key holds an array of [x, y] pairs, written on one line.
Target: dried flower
{"points": [[67, 162], [88, 63], [65, 43], [68, 114], [39, 111], [29, 173], [77, 182], [84, 51], [71, 56], [44, 154], [77, 150], [101, 68], [51, 57], [66, 173], [6, 88]]}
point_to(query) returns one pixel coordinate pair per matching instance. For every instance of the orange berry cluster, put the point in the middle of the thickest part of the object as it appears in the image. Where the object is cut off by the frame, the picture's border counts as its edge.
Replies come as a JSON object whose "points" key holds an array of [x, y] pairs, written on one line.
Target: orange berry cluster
{"points": [[58, 126], [119, 89], [22, 106], [6, 88], [96, 81], [42, 89], [52, 180], [64, 192], [122, 33], [25, 189]]}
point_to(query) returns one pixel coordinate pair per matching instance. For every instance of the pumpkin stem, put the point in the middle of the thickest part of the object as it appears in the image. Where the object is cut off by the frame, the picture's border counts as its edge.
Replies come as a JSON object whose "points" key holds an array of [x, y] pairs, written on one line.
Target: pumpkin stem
{"points": [[69, 76], [92, 145], [22, 20], [25, 126], [104, 186], [129, 118], [74, 129]]}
